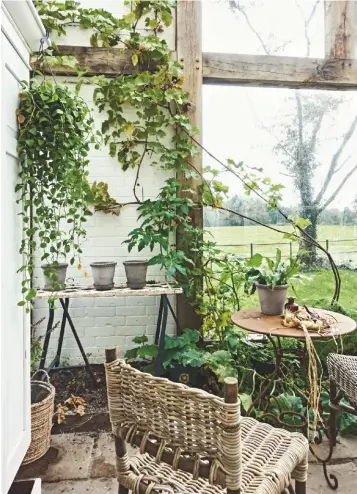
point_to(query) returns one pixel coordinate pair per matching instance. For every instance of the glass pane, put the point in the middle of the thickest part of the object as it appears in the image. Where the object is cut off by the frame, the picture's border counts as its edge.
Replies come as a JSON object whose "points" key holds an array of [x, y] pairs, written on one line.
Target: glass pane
{"points": [[303, 139], [261, 27]]}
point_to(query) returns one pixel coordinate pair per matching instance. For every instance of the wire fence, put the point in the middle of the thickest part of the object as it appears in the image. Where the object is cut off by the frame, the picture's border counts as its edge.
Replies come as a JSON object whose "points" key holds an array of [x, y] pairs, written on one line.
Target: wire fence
{"points": [[340, 249]]}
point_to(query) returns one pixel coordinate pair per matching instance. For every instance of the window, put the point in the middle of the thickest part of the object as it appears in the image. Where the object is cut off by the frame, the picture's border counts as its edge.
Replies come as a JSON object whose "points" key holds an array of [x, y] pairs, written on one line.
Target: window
{"points": [[260, 27]]}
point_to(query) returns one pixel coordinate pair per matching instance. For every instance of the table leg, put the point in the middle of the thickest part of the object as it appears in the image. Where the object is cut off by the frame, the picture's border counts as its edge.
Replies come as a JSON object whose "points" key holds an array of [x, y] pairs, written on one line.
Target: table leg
{"points": [[159, 319], [56, 361], [78, 341], [46, 342], [161, 336], [173, 315]]}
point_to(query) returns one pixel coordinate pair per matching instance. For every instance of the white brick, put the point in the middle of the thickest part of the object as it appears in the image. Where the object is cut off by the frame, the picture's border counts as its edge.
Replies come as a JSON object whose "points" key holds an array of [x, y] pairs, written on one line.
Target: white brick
{"points": [[136, 320], [100, 311], [83, 322], [86, 341], [109, 341], [130, 311], [114, 321], [77, 312], [152, 310], [104, 331], [138, 300], [109, 301], [81, 302], [135, 330]]}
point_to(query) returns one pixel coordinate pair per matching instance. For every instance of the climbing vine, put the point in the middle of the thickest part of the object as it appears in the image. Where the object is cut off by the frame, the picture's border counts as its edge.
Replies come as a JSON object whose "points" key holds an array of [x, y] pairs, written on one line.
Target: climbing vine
{"points": [[55, 131], [159, 129]]}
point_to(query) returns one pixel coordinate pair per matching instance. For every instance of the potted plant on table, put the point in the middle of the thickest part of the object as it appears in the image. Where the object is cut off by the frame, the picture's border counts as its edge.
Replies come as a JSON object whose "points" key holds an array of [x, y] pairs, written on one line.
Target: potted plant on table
{"points": [[270, 278]]}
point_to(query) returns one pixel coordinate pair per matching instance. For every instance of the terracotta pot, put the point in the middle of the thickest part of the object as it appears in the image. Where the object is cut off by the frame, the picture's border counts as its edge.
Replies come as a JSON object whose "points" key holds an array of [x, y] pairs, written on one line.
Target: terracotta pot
{"points": [[272, 300]]}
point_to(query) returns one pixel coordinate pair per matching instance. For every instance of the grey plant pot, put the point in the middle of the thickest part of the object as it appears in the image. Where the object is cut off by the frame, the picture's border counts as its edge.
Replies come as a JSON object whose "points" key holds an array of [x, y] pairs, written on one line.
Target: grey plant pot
{"points": [[55, 275], [272, 300], [135, 274], [103, 275]]}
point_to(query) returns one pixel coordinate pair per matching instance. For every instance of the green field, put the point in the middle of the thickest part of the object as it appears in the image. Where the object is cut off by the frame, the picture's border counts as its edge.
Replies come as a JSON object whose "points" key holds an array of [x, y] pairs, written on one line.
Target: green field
{"points": [[342, 240], [321, 284]]}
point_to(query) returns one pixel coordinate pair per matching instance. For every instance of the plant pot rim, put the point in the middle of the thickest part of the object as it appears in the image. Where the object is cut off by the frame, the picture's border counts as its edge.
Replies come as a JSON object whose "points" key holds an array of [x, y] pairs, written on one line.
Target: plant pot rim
{"points": [[134, 262], [269, 287], [55, 265], [103, 264]]}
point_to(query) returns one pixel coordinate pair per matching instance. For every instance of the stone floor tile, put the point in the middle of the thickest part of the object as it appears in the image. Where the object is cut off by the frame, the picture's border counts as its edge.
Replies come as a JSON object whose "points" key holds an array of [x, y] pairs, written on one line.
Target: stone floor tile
{"points": [[91, 486], [103, 458], [346, 474], [346, 448]]}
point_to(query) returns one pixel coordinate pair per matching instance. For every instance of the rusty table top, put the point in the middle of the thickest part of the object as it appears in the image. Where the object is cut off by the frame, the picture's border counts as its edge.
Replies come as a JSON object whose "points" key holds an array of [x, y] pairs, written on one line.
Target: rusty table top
{"points": [[253, 320]]}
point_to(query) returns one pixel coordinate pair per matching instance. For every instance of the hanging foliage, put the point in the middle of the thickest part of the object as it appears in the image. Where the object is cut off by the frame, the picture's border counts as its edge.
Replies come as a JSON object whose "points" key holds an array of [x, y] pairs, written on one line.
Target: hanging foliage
{"points": [[55, 131]]}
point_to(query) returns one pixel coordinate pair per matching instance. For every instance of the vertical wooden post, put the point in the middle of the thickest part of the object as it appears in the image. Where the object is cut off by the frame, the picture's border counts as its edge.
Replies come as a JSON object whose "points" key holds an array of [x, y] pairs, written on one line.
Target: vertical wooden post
{"points": [[189, 54], [120, 446], [110, 355], [231, 396], [231, 390], [340, 29]]}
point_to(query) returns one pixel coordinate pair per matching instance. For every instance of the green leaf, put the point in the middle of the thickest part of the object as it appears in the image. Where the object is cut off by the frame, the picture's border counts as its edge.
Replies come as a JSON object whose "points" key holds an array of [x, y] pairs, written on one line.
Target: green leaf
{"points": [[134, 59], [246, 400], [256, 260], [140, 339], [302, 223]]}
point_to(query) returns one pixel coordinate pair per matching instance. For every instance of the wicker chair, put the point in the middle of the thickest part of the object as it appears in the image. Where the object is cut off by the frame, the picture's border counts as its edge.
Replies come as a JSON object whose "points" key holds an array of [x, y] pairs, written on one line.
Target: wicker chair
{"points": [[192, 442], [342, 370]]}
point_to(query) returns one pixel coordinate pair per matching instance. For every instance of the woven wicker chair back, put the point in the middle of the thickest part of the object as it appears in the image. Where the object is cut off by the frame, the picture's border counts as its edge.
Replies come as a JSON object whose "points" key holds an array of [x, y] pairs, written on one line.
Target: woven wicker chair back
{"points": [[185, 420]]}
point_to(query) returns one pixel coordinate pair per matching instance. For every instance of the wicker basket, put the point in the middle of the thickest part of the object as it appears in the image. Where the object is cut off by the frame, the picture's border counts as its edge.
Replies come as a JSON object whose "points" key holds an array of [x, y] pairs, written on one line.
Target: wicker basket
{"points": [[42, 404]]}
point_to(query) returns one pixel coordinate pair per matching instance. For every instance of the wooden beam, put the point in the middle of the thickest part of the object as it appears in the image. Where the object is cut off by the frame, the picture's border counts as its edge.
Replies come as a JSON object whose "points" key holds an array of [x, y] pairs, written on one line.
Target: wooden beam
{"points": [[341, 29], [99, 61], [270, 70], [221, 68], [189, 54]]}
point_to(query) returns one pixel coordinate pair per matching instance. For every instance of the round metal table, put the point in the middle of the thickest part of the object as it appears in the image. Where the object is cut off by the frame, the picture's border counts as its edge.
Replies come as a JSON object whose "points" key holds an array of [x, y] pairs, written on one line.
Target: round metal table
{"points": [[254, 321], [271, 327]]}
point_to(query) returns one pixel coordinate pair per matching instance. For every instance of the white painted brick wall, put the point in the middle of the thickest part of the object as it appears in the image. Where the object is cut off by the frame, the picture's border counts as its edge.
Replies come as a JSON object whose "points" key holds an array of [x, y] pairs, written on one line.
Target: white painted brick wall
{"points": [[104, 323]]}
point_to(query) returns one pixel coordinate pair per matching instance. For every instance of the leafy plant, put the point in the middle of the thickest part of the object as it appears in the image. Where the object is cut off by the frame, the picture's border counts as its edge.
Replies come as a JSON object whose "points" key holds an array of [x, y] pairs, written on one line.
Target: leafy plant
{"points": [[183, 350], [161, 219], [271, 272], [142, 351], [55, 131]]}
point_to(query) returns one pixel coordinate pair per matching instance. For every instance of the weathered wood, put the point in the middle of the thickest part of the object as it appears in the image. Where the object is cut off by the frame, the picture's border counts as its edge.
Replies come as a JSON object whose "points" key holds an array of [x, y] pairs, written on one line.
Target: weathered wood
{"points": [[110, 355], [98, 61], [341, 29], [231, 390], [270, 70], [231, 396], [117, 291], [189, 54], [221, 68], [186, 464]]}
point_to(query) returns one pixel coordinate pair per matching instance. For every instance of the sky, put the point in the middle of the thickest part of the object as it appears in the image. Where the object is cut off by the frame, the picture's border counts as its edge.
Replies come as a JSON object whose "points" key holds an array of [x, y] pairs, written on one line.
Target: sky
{"points": [[236, 119]]}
